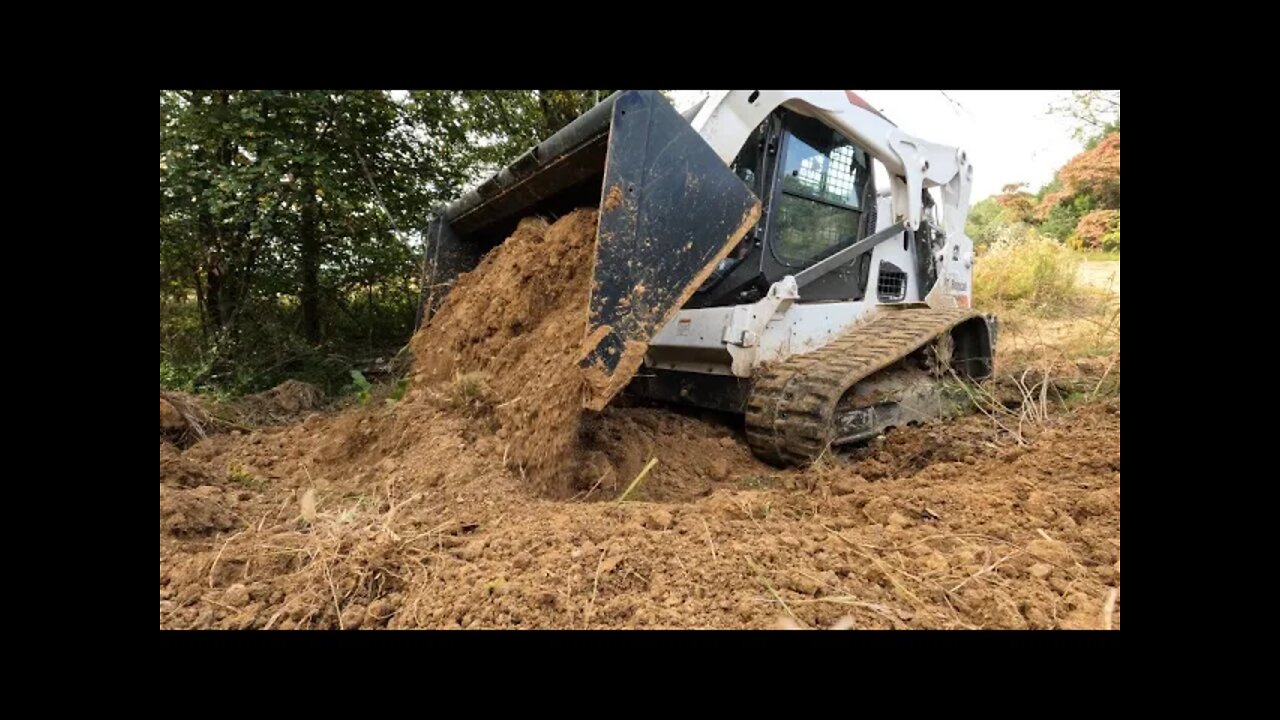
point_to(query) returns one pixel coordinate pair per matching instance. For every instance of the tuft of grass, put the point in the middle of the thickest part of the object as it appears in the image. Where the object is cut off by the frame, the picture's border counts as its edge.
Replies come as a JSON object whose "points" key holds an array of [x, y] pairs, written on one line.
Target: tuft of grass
{"points": [[237, 474], [471, 392], [760, 482], [397, 393], [1027, 271]]}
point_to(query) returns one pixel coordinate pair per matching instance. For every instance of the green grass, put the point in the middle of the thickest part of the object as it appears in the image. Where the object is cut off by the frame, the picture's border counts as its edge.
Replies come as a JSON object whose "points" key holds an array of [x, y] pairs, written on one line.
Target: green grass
{"points": [[242, 477]]}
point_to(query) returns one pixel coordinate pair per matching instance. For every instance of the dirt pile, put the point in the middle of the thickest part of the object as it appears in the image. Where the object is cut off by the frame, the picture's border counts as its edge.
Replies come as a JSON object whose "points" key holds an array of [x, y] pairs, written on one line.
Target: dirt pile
{"points": [[511, 333], [414, 525]]}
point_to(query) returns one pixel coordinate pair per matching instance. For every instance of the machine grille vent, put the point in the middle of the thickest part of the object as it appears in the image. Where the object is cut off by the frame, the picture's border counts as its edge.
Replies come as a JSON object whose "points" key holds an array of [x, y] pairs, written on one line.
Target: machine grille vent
{"points": [[892, 283]]}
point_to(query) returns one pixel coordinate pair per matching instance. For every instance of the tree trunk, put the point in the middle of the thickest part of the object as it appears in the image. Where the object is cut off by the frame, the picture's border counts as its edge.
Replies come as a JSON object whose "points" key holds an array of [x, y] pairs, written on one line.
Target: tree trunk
{"points": [[310, 262]]}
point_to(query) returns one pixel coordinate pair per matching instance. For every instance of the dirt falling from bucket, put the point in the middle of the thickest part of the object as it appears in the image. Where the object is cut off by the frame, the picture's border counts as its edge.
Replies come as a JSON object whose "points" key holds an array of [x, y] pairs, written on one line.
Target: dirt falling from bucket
{"points": [[508, 339]]}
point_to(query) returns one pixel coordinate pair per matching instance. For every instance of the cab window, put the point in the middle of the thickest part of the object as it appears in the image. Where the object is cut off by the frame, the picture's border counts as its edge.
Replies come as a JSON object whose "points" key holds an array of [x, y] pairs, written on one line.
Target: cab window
{"points": [[819, 205]]}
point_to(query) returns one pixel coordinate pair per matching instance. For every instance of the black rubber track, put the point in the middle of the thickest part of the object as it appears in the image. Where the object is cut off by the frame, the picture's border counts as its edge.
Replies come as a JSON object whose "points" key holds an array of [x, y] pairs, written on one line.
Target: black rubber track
{"points": [[791, 409]]}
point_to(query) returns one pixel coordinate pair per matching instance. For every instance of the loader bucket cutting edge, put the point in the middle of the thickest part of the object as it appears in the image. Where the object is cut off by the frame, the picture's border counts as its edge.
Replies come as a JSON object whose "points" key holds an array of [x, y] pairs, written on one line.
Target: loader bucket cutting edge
{"points": [[670, 210]]}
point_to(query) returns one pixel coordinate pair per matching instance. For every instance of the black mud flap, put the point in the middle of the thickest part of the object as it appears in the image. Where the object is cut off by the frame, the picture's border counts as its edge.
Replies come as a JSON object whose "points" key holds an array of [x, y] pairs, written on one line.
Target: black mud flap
{"points": [[670, 210]]}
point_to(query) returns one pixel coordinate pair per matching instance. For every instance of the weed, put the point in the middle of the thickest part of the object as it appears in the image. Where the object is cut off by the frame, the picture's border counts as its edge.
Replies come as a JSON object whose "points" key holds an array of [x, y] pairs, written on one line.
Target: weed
{"points": [[237, 474], [362, 386]]}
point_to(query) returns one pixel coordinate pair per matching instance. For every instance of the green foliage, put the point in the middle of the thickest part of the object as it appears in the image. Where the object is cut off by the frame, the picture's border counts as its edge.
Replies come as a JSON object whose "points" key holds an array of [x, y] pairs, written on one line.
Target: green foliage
{"points": [[984, 222], [397, 392], [1111, 239], [290, 221], [238, 475], [1063, 217], [362, 386]]}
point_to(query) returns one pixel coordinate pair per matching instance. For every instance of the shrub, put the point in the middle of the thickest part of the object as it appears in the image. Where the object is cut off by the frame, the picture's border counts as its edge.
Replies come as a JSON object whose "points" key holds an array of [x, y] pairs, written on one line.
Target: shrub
{"points": [[1096, 229], [1024, 267]]}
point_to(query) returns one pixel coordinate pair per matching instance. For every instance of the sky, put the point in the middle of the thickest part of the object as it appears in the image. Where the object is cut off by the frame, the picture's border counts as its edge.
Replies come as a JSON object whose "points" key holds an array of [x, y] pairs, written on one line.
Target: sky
{"points": [[1008, 134]]}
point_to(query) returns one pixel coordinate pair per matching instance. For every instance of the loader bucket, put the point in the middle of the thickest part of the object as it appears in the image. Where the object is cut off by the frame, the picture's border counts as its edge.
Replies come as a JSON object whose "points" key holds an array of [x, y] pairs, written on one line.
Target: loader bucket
{"points": [[670, 210]]}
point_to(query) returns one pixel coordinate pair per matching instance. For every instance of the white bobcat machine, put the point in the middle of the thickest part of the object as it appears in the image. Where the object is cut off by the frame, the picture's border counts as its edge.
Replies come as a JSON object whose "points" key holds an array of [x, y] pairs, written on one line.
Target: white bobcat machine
{"points": [[746, 262]]}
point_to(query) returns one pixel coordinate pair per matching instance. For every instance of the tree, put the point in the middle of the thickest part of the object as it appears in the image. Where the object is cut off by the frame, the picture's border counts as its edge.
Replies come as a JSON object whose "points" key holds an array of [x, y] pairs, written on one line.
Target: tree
{"points": [[1019, 205], [1095, 113], [290, 220], [1099, 230], [1096, 171], [504, 124]]}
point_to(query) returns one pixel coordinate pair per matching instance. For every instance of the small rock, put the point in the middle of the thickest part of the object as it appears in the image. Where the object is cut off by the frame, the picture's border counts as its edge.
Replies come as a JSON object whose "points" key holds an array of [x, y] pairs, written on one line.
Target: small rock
{"points": [[936, 562], [718, 470], [728, 441], [1041, 571], [658, 520], [789, 541], [1099, 502], [879, 509], [1052, 551], [170, 419], [897, 519], [803, 584], [353, 617], [522, 561], [472, 550], [236, 596], [380, 611], [1040, 504]]}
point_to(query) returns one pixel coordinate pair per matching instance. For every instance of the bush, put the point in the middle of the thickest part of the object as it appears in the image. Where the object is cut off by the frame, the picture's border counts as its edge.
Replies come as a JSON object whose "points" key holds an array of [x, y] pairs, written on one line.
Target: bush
{"points": [[1024, 267], [1096, 230]]}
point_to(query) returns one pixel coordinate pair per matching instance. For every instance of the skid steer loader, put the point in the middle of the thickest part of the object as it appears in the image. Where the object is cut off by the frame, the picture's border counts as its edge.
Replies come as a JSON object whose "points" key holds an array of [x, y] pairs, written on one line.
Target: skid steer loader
{"points": [[745, 261]]}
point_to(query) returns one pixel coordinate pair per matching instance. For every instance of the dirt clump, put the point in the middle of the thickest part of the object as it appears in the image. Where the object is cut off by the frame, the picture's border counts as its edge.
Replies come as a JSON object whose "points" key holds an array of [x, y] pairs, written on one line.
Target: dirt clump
{"points": [[194, 511], [287, 401], [183, 420]]}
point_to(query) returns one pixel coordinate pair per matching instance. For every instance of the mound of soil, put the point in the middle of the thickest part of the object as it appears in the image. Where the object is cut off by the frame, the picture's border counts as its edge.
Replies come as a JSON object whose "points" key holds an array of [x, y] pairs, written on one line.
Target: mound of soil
{"points": [[517, 324], [415, 525]]}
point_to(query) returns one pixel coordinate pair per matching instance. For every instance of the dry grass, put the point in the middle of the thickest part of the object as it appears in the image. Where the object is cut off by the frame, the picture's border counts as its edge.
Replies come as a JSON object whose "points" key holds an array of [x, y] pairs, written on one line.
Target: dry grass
{"points": [[469, 393], [339, 556], [1029, 272]]}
